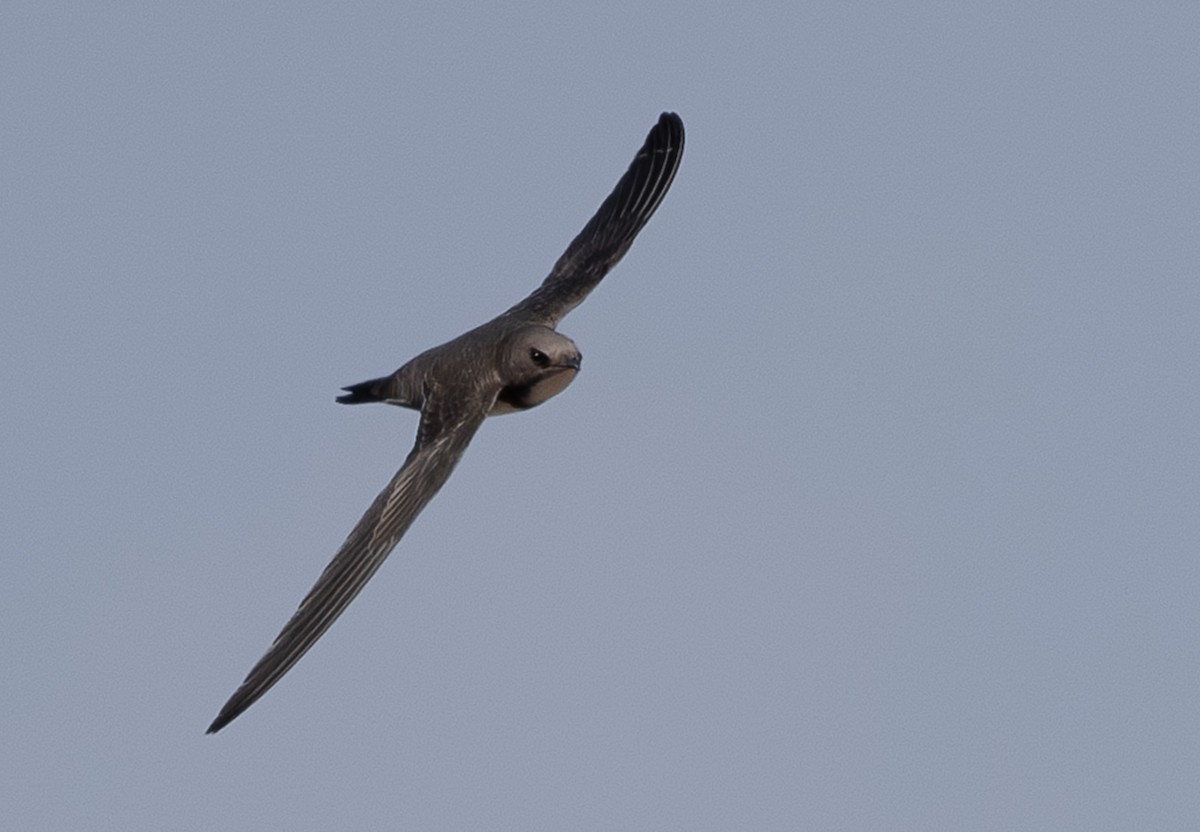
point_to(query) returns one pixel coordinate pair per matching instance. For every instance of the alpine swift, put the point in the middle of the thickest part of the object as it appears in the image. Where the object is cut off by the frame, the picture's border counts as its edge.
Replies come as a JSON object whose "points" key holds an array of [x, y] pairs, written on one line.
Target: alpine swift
{"points": [[513, 362]]}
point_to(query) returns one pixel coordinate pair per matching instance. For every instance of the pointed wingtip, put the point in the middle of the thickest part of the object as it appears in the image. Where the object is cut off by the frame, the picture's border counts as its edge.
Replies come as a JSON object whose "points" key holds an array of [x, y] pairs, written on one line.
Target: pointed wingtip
{"points": [[229, 712]]}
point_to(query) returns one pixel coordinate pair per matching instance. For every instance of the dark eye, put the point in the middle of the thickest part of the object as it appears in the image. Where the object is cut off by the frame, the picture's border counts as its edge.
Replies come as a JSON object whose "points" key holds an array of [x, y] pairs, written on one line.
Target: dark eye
{"points": [[539, 358]]}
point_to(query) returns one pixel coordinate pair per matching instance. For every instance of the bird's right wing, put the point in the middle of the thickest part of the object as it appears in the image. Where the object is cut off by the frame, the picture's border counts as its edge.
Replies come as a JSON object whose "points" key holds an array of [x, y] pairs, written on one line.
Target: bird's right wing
{"points": [[608, 235], [441, 439]]}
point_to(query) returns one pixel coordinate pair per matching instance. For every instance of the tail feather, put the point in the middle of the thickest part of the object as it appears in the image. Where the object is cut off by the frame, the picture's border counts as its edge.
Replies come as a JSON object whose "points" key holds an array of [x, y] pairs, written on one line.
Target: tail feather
{"points": [[374, 390]]}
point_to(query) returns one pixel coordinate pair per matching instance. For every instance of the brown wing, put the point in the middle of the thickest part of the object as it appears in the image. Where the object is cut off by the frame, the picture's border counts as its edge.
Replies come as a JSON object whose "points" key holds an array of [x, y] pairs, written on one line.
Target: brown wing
{"points": [[440, 443], [608, 235]]}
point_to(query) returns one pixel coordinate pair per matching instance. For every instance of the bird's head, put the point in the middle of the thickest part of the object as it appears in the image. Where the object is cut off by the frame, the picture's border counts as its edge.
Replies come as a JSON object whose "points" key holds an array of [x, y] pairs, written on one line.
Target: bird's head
{"points": [[536, 363]]}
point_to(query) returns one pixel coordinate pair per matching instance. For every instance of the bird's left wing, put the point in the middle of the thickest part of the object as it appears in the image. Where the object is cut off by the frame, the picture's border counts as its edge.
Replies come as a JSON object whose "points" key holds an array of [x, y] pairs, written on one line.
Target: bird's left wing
{"points": [[442, 437], [610, 232]]}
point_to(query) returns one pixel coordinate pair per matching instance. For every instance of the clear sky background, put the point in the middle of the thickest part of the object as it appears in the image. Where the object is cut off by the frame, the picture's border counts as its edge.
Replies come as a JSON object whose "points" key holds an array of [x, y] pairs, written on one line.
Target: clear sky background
{"points": [[875, 506]]}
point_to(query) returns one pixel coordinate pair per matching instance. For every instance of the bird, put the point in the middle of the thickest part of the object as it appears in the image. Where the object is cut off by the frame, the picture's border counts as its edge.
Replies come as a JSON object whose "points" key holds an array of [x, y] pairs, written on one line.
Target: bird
{"points": [[513, 362]]}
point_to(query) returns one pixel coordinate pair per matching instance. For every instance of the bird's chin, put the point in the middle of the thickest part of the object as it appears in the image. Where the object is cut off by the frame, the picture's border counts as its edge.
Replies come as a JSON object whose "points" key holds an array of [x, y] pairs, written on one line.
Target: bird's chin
{"points": [[553, 384], [524, 396]]}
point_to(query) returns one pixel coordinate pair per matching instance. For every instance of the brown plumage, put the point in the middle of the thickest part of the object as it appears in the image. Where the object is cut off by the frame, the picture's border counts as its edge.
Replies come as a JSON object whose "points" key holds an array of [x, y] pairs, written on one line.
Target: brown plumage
{"points": [[513, 362]]}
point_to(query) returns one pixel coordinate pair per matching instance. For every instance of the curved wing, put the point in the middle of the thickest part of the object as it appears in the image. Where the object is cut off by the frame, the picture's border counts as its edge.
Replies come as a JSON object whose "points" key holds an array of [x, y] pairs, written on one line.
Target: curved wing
{"points": [[441, 440], [608, 235]]}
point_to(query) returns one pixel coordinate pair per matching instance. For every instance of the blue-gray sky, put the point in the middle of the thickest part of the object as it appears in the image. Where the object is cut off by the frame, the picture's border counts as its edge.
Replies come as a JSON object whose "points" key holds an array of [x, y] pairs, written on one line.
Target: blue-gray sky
{"points": [[874, 507]]}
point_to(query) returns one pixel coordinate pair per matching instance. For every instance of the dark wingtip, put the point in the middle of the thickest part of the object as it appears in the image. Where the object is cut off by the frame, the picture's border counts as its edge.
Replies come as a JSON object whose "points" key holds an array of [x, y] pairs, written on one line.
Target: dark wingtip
{"points": [[217, 724], [671, 121], [232, 709]]}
